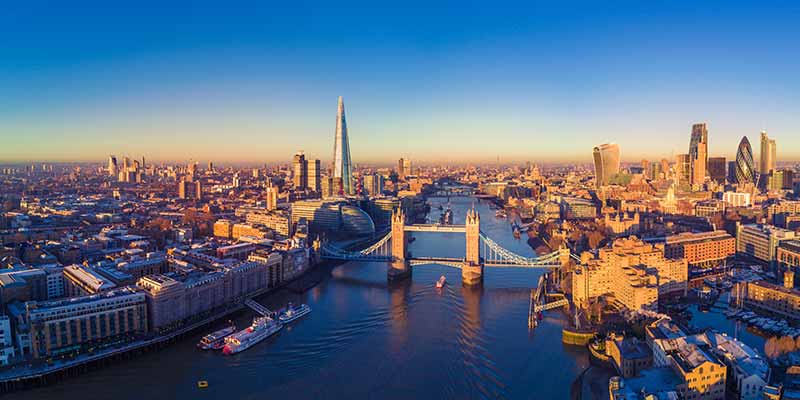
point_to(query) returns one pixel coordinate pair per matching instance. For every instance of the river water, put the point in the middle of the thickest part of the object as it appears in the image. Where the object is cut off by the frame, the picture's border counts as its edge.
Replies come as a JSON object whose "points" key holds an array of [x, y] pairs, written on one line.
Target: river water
{"points": [[370, 339]]}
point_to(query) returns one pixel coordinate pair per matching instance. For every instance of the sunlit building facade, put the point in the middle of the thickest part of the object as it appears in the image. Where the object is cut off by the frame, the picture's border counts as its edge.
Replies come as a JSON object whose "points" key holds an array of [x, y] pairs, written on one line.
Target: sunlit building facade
{"points": [[606, 162]]}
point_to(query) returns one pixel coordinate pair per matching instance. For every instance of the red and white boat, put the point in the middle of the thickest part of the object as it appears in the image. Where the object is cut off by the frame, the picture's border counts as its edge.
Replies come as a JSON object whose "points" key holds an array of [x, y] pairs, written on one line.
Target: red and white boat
{"points": [[440, 283], [262, 328]]}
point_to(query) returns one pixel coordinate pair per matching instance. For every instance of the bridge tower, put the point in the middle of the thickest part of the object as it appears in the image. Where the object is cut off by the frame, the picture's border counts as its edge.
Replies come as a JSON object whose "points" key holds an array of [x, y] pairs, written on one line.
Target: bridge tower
{"points": [[399, 267], [472, 270]]}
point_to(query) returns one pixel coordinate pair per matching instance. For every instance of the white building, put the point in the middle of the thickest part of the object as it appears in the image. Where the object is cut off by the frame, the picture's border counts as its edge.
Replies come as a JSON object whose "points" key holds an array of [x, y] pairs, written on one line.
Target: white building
{"points": [[737, 199], [55, 282], [6, 343]]}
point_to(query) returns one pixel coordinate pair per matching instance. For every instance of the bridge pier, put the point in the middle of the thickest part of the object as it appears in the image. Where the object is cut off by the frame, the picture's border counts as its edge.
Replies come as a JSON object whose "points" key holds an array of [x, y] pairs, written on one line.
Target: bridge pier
{"points": [[472, 269], [398, 270], [471, 274], [399, 267]]}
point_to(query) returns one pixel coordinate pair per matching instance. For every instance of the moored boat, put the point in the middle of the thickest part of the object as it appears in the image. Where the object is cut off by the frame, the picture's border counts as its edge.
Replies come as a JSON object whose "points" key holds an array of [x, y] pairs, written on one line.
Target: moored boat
{"points": [[292, 313], [215, 340], [260, 329]]}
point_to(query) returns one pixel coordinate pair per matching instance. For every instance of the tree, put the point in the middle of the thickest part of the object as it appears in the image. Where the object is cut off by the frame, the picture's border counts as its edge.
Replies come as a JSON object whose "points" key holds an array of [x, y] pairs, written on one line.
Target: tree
{"points": [[771, 348]]}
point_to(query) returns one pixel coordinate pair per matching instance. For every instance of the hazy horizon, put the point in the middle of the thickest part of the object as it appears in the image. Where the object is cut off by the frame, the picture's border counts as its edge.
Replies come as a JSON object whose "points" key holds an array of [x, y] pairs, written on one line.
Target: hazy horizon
{"points": [[537, 81]]}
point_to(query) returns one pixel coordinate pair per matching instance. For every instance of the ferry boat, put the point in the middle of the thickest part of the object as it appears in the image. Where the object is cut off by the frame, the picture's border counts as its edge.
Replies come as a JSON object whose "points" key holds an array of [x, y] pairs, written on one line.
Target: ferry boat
{"points": [[216, 340], [292, 313], [440, 283], [262, 328]]}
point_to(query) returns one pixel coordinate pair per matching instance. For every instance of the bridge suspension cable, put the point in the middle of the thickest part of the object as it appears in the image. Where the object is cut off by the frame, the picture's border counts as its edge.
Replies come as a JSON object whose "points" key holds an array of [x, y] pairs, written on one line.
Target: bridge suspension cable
{"points": [[496, 255], [379, 251]]}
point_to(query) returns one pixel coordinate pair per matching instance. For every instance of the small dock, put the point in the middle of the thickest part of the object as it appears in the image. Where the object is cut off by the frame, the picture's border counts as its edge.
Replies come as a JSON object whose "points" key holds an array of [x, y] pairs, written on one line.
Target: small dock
{"points": [[257, 307], [543, 301]]}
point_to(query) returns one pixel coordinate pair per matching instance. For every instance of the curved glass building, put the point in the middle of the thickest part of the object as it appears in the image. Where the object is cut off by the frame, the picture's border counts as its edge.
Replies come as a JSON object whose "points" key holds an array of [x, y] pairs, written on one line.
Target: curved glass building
{"points": [[357, 221], [606, 162], [745, 168]]}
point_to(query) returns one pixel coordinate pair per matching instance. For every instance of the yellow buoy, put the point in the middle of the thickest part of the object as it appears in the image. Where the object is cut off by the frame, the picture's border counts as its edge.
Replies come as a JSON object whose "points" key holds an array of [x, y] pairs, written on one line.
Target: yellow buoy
{"points": [[202, 384]]}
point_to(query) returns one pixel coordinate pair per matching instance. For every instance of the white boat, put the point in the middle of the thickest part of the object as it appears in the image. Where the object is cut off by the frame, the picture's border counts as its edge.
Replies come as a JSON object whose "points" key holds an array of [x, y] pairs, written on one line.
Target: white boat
{"points": [[215, 340], [262, 328], [440, 283], [292, 313]]}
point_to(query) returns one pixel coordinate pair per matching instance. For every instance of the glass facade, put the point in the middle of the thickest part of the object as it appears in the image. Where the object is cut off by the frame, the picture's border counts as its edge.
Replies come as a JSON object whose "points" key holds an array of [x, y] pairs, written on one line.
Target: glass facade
{"points": [[342, 167], [744, 162]]}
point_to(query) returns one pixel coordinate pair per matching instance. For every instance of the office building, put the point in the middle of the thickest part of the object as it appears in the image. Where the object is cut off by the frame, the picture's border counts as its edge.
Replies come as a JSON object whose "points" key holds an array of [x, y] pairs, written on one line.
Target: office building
{"points": [[190, 190], [745, 169], [404, 168], [737, 199], [698, 153], [342, 168], [788, 254], [577, 208], [761, 241], [223, 228], [635, 273], [767, 160], [112, 166], [59, 326], [716, 169], [606, 162], [314, 175], [300, 172], [373, 184], [272, 196], [772, 298], [278, 221], [701, 250], [80, 280], [683, 169]]}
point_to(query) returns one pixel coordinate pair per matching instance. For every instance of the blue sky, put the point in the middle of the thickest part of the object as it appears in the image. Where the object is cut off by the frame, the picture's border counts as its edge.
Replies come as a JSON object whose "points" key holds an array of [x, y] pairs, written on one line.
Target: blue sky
{"points": [[257, 81]]}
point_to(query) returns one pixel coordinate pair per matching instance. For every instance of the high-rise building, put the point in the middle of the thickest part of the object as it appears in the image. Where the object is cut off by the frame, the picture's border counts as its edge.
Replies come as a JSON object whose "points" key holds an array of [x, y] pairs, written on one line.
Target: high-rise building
{"points": [[606, 162], [732, 171], [342, 168], [373, 184], [767, 162], [272, 196], [314, 175], [300, 171], [716, 169], [699, 135], [698, 153], [745, 170], [404, 168], [112, 165], [188, 189], [683, 169]]}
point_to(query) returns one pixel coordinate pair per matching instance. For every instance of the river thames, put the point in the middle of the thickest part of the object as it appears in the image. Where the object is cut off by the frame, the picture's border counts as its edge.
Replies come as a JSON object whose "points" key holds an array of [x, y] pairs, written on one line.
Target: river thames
{"points": [[370, 339]]}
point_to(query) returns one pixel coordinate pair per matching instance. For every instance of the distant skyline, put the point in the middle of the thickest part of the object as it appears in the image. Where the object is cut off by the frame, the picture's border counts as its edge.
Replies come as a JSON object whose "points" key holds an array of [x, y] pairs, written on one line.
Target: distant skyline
{"points": [[538, 81]]}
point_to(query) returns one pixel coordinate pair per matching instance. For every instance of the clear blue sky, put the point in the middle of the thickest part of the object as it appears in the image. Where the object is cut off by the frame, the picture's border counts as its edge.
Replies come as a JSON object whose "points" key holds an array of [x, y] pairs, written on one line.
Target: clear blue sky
{"points": [[256, 81]]}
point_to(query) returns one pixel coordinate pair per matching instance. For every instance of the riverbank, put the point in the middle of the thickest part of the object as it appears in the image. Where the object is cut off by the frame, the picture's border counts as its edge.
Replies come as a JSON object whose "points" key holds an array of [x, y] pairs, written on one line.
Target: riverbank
{"points": [[33, 375]]}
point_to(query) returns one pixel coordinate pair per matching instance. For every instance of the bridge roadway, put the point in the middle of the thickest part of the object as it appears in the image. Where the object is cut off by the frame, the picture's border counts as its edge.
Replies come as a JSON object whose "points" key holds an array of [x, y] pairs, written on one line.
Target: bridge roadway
{"points": [[435, 228]]}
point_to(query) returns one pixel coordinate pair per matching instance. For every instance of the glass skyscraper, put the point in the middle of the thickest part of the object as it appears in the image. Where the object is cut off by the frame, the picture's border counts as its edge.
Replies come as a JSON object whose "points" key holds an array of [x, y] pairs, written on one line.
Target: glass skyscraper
{"points": [[606, 162], [744, 162], [342, 166]]}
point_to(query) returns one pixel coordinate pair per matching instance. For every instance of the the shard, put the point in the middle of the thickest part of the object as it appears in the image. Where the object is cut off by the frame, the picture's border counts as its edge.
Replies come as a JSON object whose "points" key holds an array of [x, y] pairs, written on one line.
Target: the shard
{"points": [[342, 166]]}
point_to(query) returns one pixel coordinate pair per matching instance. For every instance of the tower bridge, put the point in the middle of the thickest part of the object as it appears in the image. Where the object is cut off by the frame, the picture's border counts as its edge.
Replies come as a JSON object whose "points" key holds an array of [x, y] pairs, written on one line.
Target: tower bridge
{"points": [[480, 252]]}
